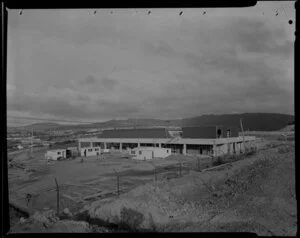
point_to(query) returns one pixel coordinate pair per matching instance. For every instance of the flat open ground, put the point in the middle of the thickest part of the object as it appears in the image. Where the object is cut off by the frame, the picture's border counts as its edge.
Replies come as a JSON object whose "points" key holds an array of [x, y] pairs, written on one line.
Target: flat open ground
{"points": [[254, 194], [82, 183]]}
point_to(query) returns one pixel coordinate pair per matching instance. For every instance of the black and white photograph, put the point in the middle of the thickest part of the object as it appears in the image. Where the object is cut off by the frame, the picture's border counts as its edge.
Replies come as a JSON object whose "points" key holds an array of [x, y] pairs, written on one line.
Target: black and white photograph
{"points": [[151, 120]]}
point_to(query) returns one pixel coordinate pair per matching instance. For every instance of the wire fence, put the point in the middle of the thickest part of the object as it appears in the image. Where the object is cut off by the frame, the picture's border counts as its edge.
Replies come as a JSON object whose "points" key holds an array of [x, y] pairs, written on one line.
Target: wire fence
{"points": [[71, 196]]}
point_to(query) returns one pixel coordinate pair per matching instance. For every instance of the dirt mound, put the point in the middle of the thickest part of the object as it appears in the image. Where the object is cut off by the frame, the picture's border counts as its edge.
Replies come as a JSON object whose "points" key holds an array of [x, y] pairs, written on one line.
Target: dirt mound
{"points": [[71, 226], [47, 221], [47, 217]]}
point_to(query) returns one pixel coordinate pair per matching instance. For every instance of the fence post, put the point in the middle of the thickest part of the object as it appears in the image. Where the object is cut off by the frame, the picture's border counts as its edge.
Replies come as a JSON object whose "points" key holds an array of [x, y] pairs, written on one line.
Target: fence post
{"points": [[179, 168], [117, 181], [57, 196], [28, 198], [154, 171]]}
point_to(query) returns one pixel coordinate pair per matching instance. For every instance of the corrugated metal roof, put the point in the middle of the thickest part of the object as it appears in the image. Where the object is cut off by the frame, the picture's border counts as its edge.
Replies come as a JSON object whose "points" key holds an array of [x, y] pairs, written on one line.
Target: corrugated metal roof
{"points": [[234, 131], [63, 146], [55, 150], [206, 132], [136, 133]]}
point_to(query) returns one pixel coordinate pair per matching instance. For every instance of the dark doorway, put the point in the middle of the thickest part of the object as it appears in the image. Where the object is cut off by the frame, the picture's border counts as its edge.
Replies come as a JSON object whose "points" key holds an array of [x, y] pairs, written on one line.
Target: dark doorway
{"points": [[68, 154], [219, 133]]}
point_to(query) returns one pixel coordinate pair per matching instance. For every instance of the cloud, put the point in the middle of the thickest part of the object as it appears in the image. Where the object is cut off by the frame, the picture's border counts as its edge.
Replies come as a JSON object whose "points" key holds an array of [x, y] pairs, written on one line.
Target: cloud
{"points": [[255, 35], [87, 81], [159, 48], [102, 66], [104, 84], [108, 83]]}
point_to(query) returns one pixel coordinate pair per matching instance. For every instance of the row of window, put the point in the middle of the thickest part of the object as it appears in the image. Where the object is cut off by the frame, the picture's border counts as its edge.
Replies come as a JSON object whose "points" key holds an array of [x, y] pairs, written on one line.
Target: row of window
{"points": [[140, 152], [90, 150]]}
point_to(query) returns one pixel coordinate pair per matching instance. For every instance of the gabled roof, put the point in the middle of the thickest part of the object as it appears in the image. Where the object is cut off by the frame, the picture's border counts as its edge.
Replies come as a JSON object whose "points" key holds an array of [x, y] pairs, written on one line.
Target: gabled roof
{"points": [[136, 133]]}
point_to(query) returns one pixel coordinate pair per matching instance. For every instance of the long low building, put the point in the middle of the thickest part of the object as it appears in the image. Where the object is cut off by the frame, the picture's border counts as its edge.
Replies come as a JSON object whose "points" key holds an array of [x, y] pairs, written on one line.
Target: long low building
{"points": [[213, 140]]}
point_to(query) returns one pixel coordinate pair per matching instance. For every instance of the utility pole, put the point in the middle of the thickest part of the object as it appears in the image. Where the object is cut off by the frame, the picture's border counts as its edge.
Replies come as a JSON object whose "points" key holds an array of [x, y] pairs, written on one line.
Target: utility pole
{"points": [[243, 135]]}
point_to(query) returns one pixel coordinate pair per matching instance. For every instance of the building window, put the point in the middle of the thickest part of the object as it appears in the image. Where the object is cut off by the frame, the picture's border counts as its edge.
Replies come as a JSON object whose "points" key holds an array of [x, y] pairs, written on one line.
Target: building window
{"points": [[90, 150], [58, 153], [96, 149], [140, 152], [167, 151], [85, 144], [228, 133], [96, 144], [133, 152]]}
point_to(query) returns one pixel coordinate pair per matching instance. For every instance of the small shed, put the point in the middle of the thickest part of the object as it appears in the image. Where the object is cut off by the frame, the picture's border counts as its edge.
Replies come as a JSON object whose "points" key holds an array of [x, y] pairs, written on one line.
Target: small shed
{"points": [[92, 151], [55, 154], [147, 153]]}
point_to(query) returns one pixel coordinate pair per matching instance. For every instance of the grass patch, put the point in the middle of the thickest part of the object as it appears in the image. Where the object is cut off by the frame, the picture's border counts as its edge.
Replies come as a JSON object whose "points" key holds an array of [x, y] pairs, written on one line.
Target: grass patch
{"points": [[130, 219]]}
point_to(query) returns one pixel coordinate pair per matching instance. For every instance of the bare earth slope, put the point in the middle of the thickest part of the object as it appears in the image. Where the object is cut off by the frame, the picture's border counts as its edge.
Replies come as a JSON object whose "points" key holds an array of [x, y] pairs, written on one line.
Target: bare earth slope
{"points": [[252, 195]]}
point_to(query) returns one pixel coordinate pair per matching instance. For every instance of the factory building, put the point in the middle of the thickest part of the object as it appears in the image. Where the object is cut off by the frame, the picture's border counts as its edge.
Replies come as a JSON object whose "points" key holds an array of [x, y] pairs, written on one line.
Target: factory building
{"points": [[208, 140]]}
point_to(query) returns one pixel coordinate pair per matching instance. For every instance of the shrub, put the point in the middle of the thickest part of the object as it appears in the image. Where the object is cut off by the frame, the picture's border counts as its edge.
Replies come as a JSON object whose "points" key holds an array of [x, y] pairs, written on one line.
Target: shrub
{"points": [[281, 138], [131, 219], [290, 138], [252, 152], [282, 150], [218, 161]]}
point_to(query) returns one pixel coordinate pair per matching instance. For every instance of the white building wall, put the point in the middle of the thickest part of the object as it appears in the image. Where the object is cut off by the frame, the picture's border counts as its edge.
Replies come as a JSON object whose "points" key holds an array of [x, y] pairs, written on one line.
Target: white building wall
{"points": [[90, 151], [144, 155], [162, 152], [55, 154]]}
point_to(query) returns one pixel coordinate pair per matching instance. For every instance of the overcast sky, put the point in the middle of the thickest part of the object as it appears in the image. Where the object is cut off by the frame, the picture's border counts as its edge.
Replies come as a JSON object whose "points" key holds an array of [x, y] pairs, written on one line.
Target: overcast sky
{"points": [[77, 65]]}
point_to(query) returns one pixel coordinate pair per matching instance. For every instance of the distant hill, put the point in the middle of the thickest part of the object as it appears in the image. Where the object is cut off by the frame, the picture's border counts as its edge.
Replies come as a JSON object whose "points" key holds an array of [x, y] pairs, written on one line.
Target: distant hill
{"points": [[251, 121], [288, 128], [41, 126]]}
